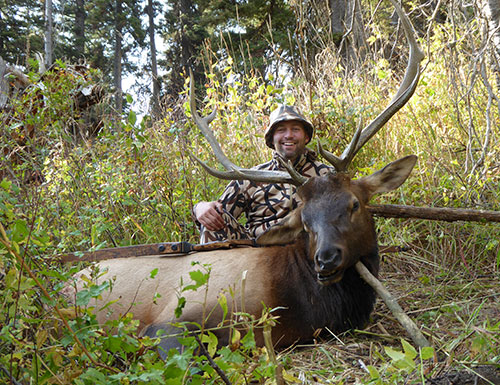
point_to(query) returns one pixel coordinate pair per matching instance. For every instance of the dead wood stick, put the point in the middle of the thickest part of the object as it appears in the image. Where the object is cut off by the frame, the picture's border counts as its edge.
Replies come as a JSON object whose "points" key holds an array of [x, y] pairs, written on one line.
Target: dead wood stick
{"points": [[434, 213], [412, 329], [211, 361]]}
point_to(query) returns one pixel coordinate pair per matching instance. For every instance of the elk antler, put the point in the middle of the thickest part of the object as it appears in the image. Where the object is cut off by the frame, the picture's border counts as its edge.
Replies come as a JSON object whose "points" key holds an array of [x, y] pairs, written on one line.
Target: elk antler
{"points": [[233, 171], [405, 91]]}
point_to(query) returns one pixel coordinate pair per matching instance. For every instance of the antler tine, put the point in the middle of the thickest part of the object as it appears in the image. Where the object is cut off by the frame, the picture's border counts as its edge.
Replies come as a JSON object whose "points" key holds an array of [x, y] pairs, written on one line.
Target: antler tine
{"points": [[233, 171], [265, 176], [340, 164], [203, 123], [404, 93], [296, 176]]}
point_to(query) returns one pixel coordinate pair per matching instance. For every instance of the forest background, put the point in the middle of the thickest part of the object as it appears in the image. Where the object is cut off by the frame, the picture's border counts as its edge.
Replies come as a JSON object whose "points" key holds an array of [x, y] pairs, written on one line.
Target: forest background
{"points": [[87, 177]]}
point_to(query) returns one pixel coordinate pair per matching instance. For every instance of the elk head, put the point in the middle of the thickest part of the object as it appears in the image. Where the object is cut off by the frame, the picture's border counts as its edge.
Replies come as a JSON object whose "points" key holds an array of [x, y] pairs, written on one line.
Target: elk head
{"points": [[333, 214]]}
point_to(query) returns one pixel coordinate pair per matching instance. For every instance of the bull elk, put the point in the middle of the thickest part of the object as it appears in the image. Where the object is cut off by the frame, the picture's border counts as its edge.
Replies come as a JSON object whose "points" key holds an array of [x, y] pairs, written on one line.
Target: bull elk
{"points": [[305, 269]]}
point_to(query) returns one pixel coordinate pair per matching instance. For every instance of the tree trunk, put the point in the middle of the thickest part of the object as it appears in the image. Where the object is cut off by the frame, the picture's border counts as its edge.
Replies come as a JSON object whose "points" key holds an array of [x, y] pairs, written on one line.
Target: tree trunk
{"points": [[155, 99], [348, 30], [356, 39], [337, 19], [4, 84], [492, 11], [117, 67], [48, 33], [186, 43], [434, 213], [80, 16]]}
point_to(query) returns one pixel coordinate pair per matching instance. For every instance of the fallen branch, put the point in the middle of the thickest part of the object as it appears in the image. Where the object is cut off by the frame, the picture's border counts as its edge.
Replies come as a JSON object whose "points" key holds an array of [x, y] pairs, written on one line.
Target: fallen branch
{"points": [[434, 213], [405, 321], [211, 361]]}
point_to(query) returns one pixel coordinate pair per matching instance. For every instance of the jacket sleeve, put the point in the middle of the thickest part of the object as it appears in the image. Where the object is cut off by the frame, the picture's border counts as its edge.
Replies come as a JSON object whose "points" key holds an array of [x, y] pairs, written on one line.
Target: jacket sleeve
{"points": [[234, 198]]}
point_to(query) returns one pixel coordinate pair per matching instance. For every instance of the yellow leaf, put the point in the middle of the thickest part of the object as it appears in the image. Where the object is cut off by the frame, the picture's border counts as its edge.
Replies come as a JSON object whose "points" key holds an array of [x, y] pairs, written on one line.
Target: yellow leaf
{"points": [[290, 378], [235, 340], [137, 225], [41, 337], [69, 312]]}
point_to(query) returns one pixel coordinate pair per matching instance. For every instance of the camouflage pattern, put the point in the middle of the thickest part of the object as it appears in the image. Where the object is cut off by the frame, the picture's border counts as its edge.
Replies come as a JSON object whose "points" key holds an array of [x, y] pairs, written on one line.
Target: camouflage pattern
{"points": [[263, 204]]}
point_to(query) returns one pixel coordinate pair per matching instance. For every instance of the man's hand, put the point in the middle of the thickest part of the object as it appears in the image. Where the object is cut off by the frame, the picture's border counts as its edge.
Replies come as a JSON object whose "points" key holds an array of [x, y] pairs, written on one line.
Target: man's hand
{"points": [[209, 215]]}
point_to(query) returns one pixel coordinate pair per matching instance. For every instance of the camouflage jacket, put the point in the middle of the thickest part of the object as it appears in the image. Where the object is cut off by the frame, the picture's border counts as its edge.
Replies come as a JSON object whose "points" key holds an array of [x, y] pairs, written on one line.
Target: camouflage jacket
{"points": [[266, 204]]}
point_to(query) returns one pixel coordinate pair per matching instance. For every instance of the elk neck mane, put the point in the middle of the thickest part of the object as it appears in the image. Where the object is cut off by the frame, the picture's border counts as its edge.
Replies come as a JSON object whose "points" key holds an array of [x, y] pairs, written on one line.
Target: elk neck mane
{"points": [[306, 302]]}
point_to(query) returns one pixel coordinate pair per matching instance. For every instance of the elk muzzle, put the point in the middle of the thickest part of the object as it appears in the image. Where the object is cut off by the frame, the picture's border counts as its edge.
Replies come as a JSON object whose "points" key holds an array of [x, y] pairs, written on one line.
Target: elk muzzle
{"points": [[328, 262]]}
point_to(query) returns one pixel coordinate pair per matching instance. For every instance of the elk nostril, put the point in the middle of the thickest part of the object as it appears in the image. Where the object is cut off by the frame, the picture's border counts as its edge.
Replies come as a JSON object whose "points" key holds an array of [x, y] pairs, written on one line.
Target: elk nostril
{"points": [[328, 259]]}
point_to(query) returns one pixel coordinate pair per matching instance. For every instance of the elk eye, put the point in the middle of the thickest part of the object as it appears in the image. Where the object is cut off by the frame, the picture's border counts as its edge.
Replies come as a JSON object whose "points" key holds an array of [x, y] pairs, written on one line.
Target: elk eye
{"points": [[355, 206]]}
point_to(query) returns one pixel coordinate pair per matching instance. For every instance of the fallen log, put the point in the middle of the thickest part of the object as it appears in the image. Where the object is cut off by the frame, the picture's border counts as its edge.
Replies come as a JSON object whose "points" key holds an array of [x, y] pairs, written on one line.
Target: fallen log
{"points": [[434, 213]]}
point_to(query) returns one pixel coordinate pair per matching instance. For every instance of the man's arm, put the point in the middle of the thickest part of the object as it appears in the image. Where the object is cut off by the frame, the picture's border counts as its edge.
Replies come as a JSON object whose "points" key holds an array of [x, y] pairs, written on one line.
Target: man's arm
{"points": [[209, 215], [232, 200]]}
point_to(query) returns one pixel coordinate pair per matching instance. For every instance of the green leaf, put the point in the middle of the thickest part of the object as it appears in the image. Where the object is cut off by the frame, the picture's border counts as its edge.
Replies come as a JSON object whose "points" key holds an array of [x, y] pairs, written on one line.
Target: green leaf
{"points": [[96, 290], [223, 304], [395, 355], [10, 279], [427, 352], [229, 356], [153, 273], [248, 340], [114, 343], [132, 118], [181, 302], [19, 231], [199, 278], [409, 350], [210, 339], [95, 376], [83, 297], [5, 184], [406, 364], [374, 373]]}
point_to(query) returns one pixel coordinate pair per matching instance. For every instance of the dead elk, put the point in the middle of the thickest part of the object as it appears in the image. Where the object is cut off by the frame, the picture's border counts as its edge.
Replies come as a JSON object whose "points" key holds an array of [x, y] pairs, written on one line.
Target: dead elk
{"points": [[312, 281]]}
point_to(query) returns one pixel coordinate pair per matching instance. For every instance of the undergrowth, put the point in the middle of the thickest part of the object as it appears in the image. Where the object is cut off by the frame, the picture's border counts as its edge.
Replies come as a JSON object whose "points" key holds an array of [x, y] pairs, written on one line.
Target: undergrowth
{"points": [[136, 183]]}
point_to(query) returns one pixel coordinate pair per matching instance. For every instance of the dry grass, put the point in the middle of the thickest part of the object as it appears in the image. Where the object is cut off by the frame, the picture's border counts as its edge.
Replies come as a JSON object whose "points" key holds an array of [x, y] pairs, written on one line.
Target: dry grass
{"points": [[456, 307]]}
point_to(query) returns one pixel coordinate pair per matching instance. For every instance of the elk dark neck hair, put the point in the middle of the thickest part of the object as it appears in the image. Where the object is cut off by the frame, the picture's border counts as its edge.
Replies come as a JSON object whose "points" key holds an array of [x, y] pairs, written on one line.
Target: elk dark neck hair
{"points": [[308, 305]]}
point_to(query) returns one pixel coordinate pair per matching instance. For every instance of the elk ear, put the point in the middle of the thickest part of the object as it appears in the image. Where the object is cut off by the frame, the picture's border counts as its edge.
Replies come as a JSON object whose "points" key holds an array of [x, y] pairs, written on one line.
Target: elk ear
{"points": [[283, 232], [390, 177]]}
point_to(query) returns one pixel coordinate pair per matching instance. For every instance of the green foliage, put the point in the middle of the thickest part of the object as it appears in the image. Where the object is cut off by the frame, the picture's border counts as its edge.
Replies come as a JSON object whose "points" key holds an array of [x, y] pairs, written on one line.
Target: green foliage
{"points": [[82, 351], [201, 34], [402, 364]]}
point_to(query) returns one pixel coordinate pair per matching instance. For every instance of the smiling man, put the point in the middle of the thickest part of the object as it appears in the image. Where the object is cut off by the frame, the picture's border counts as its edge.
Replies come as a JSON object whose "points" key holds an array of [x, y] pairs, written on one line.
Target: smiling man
{"points": [[263, 204]]}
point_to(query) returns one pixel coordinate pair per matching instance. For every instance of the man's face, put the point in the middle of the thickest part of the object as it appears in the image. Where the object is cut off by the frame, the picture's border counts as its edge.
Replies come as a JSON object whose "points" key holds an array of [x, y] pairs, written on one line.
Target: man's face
{"points": [[290, 139]]}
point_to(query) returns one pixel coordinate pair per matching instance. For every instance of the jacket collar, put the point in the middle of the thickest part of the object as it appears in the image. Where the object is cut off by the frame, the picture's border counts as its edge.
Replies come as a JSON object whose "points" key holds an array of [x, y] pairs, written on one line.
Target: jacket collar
{"points": [[307, 156]]}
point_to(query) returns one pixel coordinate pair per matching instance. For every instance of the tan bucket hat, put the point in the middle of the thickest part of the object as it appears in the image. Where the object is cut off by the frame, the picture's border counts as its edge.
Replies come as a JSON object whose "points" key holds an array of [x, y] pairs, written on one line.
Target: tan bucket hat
{"points": [[284, 113]]}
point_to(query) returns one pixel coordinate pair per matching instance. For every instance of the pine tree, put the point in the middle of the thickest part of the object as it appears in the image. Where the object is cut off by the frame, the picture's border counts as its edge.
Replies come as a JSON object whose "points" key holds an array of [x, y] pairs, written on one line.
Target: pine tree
{"points": [[21, 30]]}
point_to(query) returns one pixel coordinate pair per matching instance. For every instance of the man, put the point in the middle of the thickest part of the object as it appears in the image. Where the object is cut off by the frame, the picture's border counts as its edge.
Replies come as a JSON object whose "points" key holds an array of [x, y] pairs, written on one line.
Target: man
{"points": [[264, 204]]}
